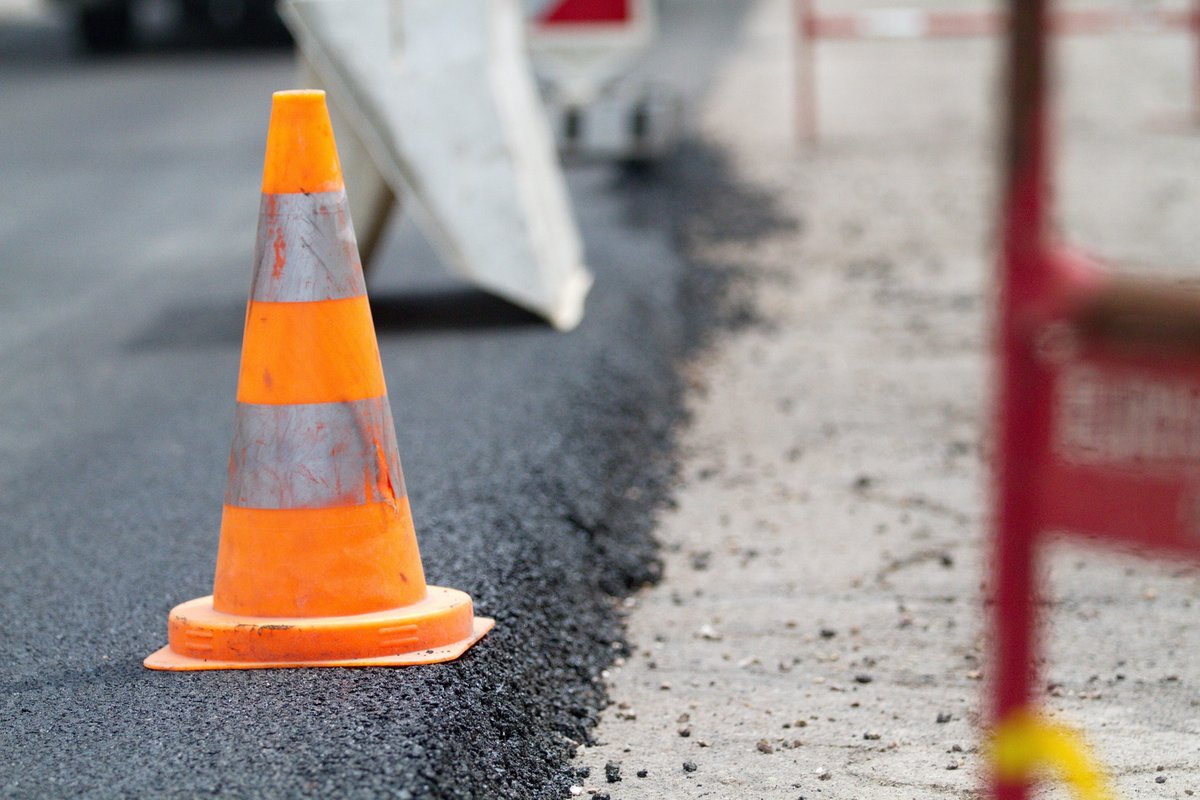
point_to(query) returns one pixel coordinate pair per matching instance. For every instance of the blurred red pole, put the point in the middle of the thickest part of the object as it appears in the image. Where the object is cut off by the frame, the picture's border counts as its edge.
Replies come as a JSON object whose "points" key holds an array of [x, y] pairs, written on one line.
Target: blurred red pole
{"points": [[805, 69], [1194, 27], [1023, 403]]}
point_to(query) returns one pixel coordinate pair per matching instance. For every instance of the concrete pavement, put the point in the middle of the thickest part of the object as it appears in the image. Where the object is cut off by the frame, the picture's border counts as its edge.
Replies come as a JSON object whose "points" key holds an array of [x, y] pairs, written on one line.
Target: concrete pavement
{"points": [[819, 629]]}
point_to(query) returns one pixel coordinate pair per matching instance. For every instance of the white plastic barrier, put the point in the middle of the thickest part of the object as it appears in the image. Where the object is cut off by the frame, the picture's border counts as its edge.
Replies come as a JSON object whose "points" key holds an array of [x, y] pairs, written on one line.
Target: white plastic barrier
{"points": [[441, 94]]}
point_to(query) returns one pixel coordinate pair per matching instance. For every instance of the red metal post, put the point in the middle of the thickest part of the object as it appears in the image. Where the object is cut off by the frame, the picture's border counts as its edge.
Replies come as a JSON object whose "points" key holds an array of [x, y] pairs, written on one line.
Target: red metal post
{"points": [[1194, 28], [1069, 456], [805, 70], [1023, 405]]}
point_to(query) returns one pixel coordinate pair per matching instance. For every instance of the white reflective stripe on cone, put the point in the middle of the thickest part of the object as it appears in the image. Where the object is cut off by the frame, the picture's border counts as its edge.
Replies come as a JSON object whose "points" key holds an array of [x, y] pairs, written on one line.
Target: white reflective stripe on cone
{"points": [[306, 250], [314, 455]]}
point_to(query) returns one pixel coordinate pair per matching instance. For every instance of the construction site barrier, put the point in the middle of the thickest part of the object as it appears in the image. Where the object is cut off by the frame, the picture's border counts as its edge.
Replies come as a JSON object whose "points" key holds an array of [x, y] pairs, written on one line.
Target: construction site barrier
{"points": [[811, 26], [1097, 427]]}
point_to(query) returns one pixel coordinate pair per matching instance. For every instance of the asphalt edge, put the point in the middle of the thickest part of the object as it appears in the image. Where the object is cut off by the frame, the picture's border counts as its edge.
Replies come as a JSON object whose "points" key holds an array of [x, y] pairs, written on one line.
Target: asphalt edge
{"points": [[707, 204]]}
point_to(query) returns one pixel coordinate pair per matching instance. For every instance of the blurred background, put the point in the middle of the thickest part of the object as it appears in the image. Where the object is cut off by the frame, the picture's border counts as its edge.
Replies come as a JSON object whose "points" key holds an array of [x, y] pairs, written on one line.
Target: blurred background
{"points": [[100, 27]]}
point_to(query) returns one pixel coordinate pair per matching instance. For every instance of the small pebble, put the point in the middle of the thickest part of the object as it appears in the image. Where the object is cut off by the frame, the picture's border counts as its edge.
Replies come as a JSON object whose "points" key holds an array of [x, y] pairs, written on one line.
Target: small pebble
{"points": [[685, 731], [612, 772], [828, 633], [863, 678], [641, 773], [943, 717], [576, 790], [871, 736], [1161, 779], [689, 766], [764, 746]]}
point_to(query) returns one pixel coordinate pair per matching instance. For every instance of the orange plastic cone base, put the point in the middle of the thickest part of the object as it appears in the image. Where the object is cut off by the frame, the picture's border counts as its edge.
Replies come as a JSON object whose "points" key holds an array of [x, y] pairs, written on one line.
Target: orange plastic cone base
{"points": [[439, 628]]}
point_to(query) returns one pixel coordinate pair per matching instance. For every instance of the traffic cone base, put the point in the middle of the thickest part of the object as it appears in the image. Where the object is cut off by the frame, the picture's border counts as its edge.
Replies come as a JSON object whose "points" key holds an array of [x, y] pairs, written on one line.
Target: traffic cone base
{"points": [[439, 628]]}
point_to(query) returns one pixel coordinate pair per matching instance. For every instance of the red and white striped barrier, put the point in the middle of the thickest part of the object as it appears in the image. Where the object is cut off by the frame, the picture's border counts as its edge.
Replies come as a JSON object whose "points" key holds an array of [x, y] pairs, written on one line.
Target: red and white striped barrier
{"points": [[912, 23]]}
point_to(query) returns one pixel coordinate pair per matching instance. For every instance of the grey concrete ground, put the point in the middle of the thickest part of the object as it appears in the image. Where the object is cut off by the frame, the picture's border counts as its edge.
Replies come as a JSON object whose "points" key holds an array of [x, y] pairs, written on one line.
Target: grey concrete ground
{"points": [[819, 631]]}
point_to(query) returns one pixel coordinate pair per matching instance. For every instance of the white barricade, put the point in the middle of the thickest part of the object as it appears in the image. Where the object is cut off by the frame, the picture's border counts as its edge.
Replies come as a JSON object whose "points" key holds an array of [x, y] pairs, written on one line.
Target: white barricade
{"points": [[441, 95]]}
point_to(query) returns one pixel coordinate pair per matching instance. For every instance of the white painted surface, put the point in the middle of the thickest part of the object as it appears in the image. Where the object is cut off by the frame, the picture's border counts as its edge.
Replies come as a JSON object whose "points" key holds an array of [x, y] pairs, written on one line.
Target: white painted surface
{"points": [[893, 23], [442, 95]]}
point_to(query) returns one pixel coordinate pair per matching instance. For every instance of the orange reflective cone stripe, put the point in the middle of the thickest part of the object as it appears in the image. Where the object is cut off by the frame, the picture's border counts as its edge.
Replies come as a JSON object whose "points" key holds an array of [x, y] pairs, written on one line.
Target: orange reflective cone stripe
{"points": [[321, 352]]}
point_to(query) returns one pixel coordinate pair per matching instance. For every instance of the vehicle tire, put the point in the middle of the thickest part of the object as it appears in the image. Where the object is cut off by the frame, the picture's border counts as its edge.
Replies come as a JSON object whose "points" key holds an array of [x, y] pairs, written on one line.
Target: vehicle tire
{"points": [[106, 28]]}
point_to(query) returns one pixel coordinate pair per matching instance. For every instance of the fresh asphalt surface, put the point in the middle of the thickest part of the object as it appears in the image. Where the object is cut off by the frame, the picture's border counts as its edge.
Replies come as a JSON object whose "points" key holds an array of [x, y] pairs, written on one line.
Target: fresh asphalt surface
{"points": [[533, 459]]}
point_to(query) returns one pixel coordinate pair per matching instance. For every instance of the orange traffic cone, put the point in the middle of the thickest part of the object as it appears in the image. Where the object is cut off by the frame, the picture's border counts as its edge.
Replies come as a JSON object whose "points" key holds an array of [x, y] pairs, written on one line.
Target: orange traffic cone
{"points": [[318, 562]]}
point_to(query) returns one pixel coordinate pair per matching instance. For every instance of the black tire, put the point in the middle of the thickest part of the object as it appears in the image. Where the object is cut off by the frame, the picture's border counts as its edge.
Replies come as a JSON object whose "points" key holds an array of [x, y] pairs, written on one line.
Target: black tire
{"points": [[106, 28]]}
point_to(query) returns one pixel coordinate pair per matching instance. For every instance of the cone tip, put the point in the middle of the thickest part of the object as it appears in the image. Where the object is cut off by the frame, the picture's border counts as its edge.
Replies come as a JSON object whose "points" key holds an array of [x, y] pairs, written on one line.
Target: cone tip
{"points": [[301, 153], [298, 96]]}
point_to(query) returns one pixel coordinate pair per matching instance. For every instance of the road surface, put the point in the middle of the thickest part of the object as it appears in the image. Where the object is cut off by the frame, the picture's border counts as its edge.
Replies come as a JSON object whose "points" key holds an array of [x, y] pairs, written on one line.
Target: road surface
{"points": [[533, 459]]}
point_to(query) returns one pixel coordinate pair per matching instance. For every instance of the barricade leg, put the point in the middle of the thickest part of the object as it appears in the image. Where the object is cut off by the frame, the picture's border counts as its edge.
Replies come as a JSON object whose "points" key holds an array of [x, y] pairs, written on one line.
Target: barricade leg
{"points": [[1023, 401], [804, 46]]}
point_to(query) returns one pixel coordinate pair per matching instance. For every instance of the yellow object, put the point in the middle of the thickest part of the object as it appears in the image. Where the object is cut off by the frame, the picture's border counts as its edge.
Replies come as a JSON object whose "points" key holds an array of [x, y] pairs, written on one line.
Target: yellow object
{"points": [[1024, 745]]}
